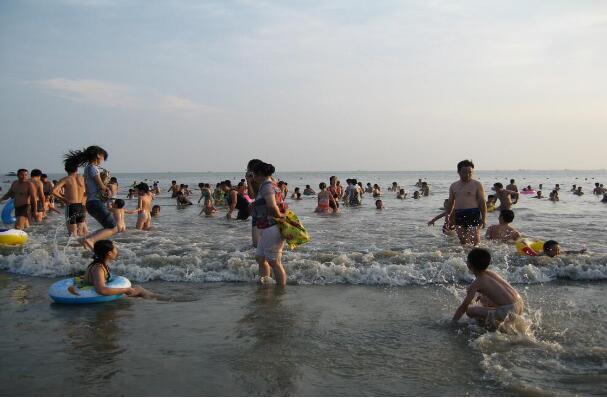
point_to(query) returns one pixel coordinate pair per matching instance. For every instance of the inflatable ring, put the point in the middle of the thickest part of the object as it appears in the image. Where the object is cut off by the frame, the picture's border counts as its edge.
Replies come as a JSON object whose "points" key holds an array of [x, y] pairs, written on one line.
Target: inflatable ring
{"points": [[59, 292], [13, 237], [529, 247], [491, 209], [7, 212]]}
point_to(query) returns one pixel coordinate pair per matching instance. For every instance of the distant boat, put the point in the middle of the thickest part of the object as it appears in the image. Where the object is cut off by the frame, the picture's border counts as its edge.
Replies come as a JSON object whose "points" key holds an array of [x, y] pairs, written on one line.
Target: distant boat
{"points": [[11, 174]]}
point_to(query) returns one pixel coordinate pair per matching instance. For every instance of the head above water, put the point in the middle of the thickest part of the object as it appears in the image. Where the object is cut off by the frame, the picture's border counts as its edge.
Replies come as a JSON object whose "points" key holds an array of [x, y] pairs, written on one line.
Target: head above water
{"points": [[552, 248], [118, 203], [507, 216], [479, 259]]}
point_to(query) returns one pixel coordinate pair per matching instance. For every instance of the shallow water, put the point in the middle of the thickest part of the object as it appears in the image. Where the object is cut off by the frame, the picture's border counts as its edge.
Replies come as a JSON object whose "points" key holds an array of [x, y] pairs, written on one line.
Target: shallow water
{"points": [[389, 334]]}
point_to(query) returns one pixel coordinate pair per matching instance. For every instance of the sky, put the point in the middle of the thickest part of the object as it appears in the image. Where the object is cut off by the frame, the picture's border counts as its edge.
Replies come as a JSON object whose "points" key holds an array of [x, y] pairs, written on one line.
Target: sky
{"points": [[305, 85]]}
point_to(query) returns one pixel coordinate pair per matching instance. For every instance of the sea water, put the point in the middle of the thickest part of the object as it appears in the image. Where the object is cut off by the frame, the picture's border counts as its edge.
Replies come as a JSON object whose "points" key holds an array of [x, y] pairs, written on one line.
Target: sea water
{"points": [[559, 350]]}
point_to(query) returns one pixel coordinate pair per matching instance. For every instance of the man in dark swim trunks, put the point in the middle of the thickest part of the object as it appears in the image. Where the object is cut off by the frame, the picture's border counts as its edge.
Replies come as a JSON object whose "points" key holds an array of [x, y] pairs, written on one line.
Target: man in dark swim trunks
{"points": [[467, 205], [23, 193], [70, 190]]}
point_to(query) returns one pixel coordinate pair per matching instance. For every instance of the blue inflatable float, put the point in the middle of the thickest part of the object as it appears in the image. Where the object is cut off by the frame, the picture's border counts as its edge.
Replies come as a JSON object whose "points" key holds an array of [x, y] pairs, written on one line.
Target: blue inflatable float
{"points": [[59, 292], [7, 213]]}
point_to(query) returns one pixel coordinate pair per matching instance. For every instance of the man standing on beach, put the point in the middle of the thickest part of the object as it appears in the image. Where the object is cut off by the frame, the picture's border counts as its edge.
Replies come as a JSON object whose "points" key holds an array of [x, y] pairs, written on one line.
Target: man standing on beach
{"points": [[23, 193], [466, 207]]}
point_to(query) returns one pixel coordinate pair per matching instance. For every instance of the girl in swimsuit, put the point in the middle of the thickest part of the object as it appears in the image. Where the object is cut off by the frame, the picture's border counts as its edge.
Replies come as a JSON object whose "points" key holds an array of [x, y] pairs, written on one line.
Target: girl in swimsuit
{"points": [[324, 200]]}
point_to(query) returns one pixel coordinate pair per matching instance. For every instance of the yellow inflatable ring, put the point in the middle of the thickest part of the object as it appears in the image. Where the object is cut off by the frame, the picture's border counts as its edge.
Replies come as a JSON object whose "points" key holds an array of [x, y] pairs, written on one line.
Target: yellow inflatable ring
{"points": [[529, 247], [13, 237]]}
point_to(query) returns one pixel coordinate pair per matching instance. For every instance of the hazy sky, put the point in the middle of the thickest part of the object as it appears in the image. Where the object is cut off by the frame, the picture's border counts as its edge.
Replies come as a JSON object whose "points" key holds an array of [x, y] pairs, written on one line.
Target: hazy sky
{"points": [[307, 85]]}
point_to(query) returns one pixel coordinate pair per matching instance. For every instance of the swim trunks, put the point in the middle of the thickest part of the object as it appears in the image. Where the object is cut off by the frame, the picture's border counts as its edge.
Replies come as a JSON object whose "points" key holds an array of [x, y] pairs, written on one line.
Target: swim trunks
{"points": [[468, 217], [498, 315], [21, 211], [75, 213]]}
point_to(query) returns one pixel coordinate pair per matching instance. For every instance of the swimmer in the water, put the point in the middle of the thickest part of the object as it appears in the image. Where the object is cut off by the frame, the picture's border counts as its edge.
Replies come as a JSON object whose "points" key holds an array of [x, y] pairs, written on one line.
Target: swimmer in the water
{"points": [[394, 187], [416, 195], [296, 194], [401, 194], [554, 196], [425, 189], [573, 188], [155, 210], [379, 204], [538, 195], [376, 191], [579, 191], [326, 201], [309, 191], [553, 249], [491, 202], [504, 195], [503, 231], [512, 187], [369, 188]]}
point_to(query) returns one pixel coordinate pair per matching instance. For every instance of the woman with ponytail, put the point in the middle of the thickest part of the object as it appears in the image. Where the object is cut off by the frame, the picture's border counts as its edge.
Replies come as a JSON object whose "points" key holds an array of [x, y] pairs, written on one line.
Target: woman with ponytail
{"points": [[268, 206], [97, 191]]}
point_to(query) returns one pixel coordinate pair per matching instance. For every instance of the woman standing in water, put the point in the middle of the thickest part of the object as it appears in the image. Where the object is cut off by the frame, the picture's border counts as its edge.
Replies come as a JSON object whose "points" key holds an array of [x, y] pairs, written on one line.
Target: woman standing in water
{"points": [[97, 192], [268, 206]]}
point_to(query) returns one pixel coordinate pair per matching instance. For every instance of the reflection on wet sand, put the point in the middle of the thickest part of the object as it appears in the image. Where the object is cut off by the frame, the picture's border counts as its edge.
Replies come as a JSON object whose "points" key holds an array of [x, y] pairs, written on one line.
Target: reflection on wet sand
{"points": [[267, 366], [93, 336]]}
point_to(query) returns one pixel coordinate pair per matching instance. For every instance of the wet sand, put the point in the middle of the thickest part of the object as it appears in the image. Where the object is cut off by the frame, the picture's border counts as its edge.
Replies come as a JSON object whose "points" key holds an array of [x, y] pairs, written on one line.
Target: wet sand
{"points": [[244, 339]]}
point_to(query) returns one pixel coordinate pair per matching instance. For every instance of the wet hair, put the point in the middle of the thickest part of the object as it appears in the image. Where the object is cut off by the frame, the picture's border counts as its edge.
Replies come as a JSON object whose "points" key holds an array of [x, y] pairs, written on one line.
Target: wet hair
{"points": [[322, 185], [142, 186], [378, 201], [394, 183], [375, 186], [307, 187], [36, 173], [549, 244], [402, 190], [173, 182], [85, 156], [101, 249], [155, 207], [296, 189], [479, 259], [498, 185], [118, 203], [20, 170], [263, 169], [464, 163], [507, 215], [512, 181], [42, 176]]}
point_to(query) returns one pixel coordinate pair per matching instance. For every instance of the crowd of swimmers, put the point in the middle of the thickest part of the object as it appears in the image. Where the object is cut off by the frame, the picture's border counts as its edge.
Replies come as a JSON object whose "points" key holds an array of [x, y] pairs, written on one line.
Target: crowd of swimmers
{"points": [[262, 198]]}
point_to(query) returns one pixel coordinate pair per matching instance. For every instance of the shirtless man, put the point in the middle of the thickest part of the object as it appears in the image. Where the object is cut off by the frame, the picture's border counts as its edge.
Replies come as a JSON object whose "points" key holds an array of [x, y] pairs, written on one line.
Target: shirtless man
{"points": [[144, 207], [174, 188], [23, 193], [504, 195], [70, 191], [503, 231], [467, 203], [499, 299], [38, 212], [512, 187]]}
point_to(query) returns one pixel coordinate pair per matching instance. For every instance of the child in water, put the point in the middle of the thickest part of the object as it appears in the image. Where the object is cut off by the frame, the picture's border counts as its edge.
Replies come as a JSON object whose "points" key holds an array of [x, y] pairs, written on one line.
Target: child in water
{"points": [[155, 210], [118, 211], [553, 249], [98, 273], [499, 299], [503, 231], [379, 204]]}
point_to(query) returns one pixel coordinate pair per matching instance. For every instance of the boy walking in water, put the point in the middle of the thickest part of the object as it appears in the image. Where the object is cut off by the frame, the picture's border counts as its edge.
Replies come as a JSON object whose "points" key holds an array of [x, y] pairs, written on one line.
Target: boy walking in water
{"points": [[23, 193], [74, 199], [467, 203], [499, 298]]}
